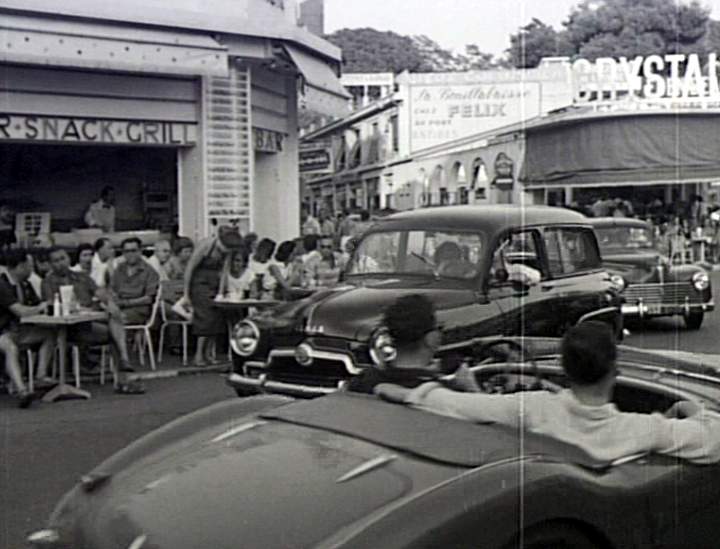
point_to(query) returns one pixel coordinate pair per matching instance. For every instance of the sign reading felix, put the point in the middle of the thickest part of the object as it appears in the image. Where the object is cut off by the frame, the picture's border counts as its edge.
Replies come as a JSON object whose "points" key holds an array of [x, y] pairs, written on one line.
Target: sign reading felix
{"points": [[53, 129], [442, 113]]}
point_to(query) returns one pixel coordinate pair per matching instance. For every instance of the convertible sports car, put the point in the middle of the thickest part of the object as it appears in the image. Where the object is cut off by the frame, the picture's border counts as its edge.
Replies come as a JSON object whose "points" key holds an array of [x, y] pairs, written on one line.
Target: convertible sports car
{"points": [[489, 270], [349, 470], [650, 284]]}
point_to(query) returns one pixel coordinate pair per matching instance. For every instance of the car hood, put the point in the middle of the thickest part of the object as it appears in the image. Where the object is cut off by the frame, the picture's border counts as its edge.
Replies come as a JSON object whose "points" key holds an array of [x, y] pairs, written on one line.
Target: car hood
{"points": [[353, 310], [243, 482], [636, 266], [249, 473]]}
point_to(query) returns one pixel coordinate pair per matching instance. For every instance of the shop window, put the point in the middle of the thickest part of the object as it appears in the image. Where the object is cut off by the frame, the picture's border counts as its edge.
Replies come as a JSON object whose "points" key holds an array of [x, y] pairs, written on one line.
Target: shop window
{"points": [[394, 130]]}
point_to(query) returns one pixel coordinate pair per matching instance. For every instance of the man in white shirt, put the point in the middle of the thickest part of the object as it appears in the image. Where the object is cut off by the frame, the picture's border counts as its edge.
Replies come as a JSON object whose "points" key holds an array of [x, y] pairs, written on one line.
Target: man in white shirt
{"points": [[101, 214], [582, 415], [102, 262]]}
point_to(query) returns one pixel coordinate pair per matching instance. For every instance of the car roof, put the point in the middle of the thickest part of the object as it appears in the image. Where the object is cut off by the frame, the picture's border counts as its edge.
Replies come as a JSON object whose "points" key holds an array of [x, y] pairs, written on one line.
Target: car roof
{"points": [[604, 222], [488, 219]]}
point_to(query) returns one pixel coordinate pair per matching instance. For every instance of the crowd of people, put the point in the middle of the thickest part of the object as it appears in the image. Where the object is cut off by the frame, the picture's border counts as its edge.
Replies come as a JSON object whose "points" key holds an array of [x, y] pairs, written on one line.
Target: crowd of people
{"points": [[188, 276]]}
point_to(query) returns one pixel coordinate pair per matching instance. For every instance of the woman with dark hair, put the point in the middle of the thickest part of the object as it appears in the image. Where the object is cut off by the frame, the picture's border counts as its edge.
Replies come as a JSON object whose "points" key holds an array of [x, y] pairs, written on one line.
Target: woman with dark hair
{"points": [[281, 268], [259, 266], [202, 284]]}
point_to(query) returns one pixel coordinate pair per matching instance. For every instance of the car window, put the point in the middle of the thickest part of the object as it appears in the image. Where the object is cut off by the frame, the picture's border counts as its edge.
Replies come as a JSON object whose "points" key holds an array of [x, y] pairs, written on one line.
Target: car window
{"points": [[613, 239], [438, 253], [516, 259], [570, 250]]}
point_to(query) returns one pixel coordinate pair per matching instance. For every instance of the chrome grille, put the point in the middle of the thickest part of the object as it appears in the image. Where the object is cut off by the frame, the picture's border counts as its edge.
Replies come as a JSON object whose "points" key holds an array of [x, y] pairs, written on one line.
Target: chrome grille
{"points": [[674, 292]]}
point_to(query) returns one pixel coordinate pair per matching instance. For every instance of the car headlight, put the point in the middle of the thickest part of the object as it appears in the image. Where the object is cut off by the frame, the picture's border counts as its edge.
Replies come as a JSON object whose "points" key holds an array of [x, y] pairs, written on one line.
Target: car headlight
{"points": [[245, 338], [701, 281], [382, 347], [618, 282]]}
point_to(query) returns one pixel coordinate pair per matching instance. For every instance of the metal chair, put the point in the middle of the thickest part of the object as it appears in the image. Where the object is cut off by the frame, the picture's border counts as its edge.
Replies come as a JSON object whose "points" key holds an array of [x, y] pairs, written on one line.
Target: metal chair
{"points": [[166, 292], [144, 336]]}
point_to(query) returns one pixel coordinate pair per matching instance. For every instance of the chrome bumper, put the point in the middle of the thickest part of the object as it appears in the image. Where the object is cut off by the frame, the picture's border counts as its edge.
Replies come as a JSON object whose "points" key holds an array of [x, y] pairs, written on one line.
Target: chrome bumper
{"points": [[264, 385], [642, 310]]}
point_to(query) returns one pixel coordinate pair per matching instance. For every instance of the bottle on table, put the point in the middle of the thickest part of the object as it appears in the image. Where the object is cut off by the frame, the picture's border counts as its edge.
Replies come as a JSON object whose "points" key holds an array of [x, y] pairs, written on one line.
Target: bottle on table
{"points": [[56, 310]]}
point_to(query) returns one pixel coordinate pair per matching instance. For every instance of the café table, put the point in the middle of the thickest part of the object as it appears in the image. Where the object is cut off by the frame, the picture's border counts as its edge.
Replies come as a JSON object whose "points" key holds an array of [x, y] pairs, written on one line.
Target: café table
{"points": [[700, 245], [240, 304], [61, 325]]}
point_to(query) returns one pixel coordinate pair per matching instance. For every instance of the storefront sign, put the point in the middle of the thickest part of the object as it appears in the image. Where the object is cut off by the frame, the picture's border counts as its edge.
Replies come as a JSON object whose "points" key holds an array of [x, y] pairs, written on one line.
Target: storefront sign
{"points": [[267, 141], [442, 113], [51, 129], [654, 77], [504, 168], [315, 161]]}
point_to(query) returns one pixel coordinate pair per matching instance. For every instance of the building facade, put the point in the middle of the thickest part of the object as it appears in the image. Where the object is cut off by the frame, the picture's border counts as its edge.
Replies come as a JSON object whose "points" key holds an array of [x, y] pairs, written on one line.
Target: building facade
{"points": [[189, 111]]}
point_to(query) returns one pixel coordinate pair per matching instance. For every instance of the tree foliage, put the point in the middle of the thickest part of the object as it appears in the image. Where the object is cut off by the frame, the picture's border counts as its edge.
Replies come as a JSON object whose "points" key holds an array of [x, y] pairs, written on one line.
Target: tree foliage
{"points": [[614, 28], [370, 50]]}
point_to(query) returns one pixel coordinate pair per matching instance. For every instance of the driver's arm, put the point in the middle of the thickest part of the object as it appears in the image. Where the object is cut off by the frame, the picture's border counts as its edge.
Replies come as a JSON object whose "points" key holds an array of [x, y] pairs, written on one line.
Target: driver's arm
{"points": [[475, 407]]}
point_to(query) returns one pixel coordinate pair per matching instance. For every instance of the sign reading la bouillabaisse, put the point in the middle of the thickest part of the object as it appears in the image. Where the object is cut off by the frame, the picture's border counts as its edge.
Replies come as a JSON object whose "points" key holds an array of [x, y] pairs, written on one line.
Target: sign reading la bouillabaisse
{"points": [[442, 113], [51, 129], [654, 77]]}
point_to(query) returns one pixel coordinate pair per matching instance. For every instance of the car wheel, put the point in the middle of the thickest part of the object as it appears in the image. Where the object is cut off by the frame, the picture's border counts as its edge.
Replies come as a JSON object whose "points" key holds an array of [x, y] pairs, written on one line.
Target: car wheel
{"points": [[693, 321], [555, 536]]}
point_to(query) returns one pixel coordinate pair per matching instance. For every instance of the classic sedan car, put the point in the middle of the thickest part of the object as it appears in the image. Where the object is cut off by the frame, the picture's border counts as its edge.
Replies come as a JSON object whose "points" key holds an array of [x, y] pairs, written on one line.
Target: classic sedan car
{"points": [[488, 269], [351, 471], [650, 284]]}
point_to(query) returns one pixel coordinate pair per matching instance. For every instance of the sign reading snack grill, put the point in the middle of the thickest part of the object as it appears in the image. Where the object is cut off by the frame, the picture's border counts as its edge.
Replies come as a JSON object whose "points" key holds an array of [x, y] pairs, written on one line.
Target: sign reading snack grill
{"points": [[315, 158], [445, 112], [54, 129]]}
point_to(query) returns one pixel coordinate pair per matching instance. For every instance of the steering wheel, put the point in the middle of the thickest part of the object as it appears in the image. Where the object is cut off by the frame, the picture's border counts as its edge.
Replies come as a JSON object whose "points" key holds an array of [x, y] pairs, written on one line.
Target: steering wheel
{"points": [[513, 383]]}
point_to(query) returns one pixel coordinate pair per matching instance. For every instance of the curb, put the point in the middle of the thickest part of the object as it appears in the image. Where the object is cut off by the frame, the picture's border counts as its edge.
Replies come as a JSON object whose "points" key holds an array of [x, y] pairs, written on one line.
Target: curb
{"points": [[178, 372], [222, 368]]}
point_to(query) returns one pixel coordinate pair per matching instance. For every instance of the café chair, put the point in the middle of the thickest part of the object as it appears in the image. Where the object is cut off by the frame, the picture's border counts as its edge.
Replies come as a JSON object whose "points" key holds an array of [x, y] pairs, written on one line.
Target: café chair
{"points": [[30, 363], [104, 358], [143, 337], [166, 292]]}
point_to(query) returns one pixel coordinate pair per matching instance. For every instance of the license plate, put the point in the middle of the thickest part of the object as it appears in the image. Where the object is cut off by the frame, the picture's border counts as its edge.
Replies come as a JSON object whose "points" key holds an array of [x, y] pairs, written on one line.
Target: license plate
{"points": [[653, 308]]}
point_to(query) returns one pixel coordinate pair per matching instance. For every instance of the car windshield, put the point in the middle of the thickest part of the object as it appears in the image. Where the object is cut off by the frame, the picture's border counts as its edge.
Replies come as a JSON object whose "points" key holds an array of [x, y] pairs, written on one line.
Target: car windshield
{"points": [[625, 238], [438, 253]]}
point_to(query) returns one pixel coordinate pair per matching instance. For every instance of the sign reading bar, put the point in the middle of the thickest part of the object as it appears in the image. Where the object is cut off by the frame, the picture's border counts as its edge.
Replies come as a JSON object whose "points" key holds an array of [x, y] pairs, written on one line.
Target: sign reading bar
{"points": [[267, 140], [671, 76], [52, 129]]}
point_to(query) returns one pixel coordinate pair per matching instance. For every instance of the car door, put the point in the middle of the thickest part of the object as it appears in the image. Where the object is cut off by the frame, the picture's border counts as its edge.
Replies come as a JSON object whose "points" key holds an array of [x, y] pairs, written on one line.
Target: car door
{"points": [[575, 277], [527, 308], [683, 501]]}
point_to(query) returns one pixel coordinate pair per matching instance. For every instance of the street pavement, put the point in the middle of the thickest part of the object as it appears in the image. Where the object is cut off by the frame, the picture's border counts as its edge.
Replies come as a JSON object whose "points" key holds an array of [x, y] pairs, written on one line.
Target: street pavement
{"points": [[44, 450]]}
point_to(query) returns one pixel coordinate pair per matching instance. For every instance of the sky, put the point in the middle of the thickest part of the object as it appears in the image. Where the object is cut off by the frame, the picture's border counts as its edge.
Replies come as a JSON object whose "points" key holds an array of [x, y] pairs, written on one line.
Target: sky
{"points": [[454, 23]]}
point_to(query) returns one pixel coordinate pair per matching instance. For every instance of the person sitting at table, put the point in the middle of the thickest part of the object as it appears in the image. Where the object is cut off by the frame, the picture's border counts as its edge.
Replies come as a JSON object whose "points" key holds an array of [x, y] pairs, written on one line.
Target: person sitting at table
{"points": [[41, 267], [202, 284], [18, 300], [101, 214], [89, 296], [161, 258], [134, 283], [282, 268], [236, 276], [102, 261], [324, 270], [85, 254], [259, 265], [182, 252]]}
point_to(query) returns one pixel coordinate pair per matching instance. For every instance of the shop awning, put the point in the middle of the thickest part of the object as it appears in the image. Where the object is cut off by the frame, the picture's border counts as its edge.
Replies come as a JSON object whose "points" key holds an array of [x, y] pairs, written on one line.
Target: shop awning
{"points": [[646, 148], [109, 46], [323, 91]]}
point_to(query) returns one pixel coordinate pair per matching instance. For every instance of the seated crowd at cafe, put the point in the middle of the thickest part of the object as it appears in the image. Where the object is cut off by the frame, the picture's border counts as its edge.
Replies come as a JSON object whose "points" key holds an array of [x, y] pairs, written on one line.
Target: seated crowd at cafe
{"points": [[184, 277]]}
